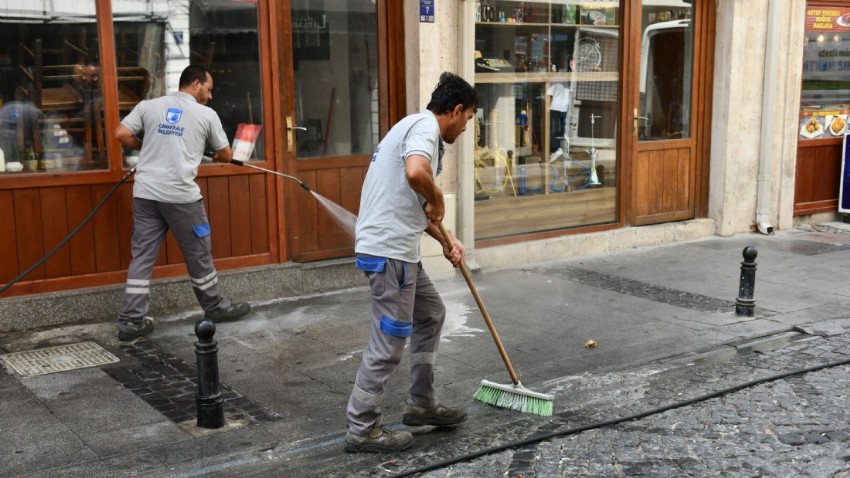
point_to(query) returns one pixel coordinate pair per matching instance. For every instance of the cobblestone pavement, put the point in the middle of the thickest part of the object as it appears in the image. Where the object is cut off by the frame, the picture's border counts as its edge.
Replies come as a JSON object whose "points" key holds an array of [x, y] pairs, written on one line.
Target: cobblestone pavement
{"points": [[796, 426]]}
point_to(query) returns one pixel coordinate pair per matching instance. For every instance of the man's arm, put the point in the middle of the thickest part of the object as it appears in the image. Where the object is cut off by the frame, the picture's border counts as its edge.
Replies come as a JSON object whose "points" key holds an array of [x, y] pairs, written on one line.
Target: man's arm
{"points": [[223, 155], [420, 176], [127, 138], [457, 252]]}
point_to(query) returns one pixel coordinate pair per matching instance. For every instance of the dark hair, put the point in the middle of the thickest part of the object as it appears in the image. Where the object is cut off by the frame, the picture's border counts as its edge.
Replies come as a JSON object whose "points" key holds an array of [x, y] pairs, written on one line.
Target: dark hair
{"points": [[451, 91], [192, 73]]}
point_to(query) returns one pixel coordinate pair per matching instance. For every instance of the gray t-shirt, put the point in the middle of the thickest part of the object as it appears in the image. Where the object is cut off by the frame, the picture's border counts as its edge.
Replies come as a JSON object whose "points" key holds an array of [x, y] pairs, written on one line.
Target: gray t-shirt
{"points": [[176, 129], [391, 219]]}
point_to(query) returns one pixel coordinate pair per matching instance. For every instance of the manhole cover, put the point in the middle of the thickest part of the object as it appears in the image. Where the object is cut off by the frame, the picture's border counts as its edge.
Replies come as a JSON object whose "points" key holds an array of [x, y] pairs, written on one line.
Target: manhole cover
{"points": [[58, 359]]}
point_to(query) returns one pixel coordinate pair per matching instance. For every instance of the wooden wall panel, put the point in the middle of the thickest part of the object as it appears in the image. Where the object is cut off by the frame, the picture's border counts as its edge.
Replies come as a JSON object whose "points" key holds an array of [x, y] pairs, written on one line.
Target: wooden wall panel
{"points": [[124, 198], [352, 183], [663, 181], [8, 244], [817, 176], [29, 231], [259, 214], [669, 180], [54, 219], [308, 238], [81, 247], [683, 185], [240, 216], [330, 233], [218, 213], [107, 255]]}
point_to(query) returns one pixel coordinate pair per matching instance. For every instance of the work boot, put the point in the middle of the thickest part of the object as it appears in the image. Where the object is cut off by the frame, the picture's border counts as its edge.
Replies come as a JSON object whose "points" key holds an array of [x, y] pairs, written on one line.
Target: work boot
{"points": [[438, 416], [378, 440], [229, 313], [132, 331]]}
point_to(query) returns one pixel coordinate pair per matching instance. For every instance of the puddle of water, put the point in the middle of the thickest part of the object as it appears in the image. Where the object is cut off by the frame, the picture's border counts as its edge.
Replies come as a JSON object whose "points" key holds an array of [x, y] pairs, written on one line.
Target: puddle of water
{"points": [[457, 315]]}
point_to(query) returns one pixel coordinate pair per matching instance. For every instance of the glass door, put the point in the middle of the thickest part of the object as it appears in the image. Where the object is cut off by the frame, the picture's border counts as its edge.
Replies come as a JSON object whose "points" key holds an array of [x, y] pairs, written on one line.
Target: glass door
{"points": [[337, 79], [663, 112], [335, 68]]}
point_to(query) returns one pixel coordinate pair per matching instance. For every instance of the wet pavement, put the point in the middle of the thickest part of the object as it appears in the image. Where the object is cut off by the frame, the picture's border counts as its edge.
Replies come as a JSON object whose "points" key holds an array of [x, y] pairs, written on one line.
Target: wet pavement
{"points": [[663, 318]]}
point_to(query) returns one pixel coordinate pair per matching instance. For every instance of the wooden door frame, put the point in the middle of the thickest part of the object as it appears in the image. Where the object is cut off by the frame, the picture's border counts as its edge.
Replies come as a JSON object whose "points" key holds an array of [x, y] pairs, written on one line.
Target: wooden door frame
{"points": [[702, 84]]}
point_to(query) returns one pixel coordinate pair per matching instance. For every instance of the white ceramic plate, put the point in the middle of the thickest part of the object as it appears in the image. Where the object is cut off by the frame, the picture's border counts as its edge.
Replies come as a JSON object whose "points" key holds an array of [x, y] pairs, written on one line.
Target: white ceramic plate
{"points": [[813, 134], [843, 20], [840, 132]]}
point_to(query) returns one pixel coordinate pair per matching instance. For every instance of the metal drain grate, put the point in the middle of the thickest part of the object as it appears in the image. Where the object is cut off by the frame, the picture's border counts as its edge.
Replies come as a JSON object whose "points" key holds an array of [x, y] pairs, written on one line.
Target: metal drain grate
{"points": [[58, 359]]}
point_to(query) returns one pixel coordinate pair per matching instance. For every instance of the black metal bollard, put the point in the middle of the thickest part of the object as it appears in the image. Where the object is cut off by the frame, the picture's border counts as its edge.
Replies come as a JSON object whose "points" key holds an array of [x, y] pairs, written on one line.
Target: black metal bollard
{"points": [[209, 399], [746, 305]]}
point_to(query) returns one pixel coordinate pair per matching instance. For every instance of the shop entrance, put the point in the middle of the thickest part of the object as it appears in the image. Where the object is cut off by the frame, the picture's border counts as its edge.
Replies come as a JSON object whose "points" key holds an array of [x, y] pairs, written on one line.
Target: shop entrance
{"points": [[666, 114]]}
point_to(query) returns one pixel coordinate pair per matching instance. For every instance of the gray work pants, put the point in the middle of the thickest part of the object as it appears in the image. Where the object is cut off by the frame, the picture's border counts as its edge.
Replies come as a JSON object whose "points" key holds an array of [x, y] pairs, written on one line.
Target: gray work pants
{"points": [[402, 294], [189, 224]]}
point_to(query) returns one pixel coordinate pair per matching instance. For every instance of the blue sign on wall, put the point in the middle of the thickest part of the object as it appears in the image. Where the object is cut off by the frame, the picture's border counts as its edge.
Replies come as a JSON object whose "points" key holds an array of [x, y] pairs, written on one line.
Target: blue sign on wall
{"points": [[426, 11], [844, 194]]}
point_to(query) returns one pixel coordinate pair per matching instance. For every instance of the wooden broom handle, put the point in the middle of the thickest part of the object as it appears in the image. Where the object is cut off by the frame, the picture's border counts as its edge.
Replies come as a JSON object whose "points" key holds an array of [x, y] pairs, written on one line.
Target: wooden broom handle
{"points": [[481, 306]]}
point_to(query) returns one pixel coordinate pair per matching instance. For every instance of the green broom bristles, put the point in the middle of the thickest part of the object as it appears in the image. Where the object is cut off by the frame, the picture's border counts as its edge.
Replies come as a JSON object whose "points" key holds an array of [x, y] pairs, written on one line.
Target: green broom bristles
{"points": [[515, 397]]}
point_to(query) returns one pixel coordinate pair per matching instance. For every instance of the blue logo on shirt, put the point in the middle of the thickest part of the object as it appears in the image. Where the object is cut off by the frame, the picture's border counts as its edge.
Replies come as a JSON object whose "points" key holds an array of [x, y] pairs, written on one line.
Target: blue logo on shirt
{"points": [[173, 115], [375, 156]]}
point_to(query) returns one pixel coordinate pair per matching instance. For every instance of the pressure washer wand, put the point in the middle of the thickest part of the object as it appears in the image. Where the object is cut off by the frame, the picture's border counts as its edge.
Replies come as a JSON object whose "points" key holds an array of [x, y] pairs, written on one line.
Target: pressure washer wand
{"points": [[300, 182]]}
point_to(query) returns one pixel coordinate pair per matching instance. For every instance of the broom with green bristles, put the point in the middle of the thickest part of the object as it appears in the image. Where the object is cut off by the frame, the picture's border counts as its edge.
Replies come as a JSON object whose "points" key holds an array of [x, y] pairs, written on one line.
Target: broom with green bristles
{"points": [[513, 396]]}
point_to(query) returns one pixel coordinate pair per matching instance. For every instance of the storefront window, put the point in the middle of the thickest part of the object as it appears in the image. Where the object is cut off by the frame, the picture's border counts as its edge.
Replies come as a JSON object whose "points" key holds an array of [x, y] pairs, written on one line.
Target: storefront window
{"points": [[545, 130], [52, 103], [335, 60], [825, 101], [156, 39]]}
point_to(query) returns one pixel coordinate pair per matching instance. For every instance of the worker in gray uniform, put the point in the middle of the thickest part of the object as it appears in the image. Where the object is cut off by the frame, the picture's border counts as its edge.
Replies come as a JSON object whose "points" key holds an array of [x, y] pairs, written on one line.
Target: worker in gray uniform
{"points": [[175, 128], [401, 200]]}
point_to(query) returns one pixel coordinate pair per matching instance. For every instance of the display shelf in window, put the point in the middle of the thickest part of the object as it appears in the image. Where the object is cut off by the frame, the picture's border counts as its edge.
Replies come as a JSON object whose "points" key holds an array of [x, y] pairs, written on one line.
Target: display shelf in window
{"points": [[535, 77]]}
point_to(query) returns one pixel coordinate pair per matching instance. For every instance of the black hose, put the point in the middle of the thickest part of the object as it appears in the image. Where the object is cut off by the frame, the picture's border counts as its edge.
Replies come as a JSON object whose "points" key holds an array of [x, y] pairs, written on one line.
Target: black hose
{"points": [[76, 230], [616, 421]]}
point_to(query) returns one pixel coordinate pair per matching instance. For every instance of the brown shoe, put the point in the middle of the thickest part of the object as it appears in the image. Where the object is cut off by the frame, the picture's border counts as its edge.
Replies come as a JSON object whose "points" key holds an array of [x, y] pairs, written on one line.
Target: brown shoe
{"points": [[378, 440], [438, 416]]}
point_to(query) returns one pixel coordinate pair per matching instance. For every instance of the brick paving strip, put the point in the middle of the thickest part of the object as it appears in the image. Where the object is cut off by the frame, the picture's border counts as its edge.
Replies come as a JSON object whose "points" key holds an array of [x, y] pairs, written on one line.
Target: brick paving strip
{"points": [[169, 385], [652, 292]]}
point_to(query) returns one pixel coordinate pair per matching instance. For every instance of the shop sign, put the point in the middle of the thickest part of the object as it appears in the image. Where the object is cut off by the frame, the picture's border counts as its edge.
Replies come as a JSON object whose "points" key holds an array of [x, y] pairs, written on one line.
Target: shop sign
{"points": [[827, 19]]}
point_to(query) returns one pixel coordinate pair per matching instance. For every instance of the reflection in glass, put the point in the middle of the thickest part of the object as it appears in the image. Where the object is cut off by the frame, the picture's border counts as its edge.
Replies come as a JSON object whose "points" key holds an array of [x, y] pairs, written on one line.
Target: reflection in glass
{"points": [[52, 104], [156, 40], [545, 135], [335, 59], [666, 66]]}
